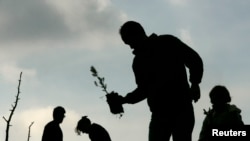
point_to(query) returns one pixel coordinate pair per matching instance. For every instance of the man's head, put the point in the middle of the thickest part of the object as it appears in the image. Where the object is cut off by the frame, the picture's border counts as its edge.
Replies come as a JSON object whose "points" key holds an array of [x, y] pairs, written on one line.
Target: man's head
{"points": [[58, 114], [132, 33], [219, 95], [83, 125]]}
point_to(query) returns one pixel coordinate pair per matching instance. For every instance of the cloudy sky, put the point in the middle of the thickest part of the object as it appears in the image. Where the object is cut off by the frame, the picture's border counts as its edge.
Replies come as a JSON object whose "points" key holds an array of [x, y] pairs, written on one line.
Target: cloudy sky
{"points": [[54, 43]]}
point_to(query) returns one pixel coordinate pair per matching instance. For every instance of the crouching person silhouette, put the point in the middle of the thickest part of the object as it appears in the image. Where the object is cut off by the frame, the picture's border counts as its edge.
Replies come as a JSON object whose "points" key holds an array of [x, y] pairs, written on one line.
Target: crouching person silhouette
{"points": [[95, 131], [222, 115]]}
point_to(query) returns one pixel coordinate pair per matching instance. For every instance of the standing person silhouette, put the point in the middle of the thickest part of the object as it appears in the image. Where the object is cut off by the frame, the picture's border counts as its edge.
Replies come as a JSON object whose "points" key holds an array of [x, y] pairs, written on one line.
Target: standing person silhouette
{"points": [[52, 130], [159, 67], [222, 115], [95, 131]]}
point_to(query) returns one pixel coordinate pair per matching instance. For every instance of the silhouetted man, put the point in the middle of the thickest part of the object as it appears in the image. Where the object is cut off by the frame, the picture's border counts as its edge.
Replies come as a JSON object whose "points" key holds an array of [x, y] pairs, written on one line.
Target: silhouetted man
{"points": [[52, 131], [159, 67]]}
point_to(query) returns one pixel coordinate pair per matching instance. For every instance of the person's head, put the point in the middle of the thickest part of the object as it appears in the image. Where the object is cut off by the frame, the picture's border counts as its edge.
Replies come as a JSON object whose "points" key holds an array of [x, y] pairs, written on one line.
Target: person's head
{"points": [[219, 95], [132, 33], [83, 125], [58, 114]]}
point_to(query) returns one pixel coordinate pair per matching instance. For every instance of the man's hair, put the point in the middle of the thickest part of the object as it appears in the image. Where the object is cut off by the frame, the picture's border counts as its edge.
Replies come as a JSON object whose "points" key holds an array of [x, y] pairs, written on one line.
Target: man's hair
{"points": [[58, 111], [219, 94], [83, 122], [131, 27]]}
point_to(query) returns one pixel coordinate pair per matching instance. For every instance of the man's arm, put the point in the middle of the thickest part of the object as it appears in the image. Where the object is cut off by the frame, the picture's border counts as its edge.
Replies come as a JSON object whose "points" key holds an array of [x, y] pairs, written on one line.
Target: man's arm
{"points": [[45, 136], [194, 63], [134, 97]]}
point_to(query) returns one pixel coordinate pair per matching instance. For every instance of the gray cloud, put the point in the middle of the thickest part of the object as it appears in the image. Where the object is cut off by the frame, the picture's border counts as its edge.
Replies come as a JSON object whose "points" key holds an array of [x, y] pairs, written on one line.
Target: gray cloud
{"points": [[30, 20], [91, 20], [34, 20]]}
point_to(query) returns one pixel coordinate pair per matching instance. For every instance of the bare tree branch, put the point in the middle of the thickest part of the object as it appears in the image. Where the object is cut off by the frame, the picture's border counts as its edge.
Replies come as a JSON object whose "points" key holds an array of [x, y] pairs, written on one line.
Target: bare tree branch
{"points": [[13, 109], [29, 130]]}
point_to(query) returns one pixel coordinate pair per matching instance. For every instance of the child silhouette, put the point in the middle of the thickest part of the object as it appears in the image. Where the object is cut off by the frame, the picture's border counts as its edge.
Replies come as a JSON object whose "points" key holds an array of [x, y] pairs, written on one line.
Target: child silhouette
{"points": [[95, 131], [222, 114]]}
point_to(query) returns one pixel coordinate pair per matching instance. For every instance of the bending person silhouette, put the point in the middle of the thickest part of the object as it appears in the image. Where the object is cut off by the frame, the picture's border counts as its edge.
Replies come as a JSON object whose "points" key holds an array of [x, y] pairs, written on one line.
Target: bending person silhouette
{"points": [[222, 114], [95, 131], [159, 68], [52, 130]]}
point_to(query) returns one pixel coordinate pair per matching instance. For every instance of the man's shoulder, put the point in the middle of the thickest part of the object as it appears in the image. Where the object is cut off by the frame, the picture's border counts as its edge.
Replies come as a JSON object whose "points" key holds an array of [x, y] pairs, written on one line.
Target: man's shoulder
{"points": [[51, 124], [168, 36], [95, 125], [163, 37]]}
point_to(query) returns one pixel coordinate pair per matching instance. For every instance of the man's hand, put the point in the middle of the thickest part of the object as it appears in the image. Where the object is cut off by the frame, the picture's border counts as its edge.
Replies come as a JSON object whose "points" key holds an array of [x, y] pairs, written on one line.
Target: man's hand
{"points": [[195, 92]]}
